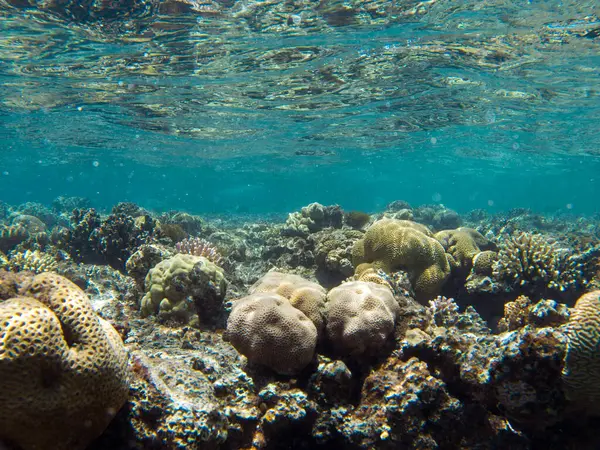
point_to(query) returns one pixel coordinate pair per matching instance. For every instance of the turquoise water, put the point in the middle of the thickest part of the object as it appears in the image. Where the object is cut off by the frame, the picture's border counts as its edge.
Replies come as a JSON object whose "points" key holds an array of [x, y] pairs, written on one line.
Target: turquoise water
{"points": [[248, 107]]}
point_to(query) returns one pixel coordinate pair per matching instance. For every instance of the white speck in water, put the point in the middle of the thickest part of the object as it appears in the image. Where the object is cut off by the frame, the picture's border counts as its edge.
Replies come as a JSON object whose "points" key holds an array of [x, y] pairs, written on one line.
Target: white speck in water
{"points": [[80, 108], [569, 205], [490, 116], [490, 202], [516, 146], [6, 173], [96, 163], [121, 83], [437, 197], [433, 141]]}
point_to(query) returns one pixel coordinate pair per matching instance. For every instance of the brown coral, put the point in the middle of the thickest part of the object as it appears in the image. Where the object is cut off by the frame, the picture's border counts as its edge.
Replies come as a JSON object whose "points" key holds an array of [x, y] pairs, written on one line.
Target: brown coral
{"points": [[305, 295], [581, 373], [393, 245], [463, 244], [268, 330], [360, 316], [63, 369]]}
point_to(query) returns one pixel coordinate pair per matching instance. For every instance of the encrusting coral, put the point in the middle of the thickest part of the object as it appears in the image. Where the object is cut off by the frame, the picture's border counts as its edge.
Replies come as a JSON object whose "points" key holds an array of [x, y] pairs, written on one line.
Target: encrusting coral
{"points": [[63, 369], [393, 245]]}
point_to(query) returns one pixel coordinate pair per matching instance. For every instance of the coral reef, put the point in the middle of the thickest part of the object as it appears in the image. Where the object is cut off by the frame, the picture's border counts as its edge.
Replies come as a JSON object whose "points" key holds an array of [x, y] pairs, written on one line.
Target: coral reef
{"points": [[80, 365], [393, 245], [385, 371], [333, 254], [31, 261], [112, 240]]}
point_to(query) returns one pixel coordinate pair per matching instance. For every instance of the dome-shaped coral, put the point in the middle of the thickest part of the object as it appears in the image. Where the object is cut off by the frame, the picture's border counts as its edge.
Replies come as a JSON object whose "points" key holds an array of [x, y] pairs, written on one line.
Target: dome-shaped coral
{"points": [[581, 374], [305, 295], [268, 330], [63, 369], [360, 316], [393, 245]]}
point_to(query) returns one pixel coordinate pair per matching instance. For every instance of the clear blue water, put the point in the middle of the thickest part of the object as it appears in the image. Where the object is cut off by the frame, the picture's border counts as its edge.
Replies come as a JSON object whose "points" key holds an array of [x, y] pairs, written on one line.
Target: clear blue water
{"points": [[248, 107]]}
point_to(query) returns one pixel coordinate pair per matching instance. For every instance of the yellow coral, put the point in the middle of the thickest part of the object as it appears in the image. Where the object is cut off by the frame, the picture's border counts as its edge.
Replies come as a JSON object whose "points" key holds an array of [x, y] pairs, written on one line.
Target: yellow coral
{"points": [[173, 281], [393, 245], [63, 369], [463, 244], [32, 261]]}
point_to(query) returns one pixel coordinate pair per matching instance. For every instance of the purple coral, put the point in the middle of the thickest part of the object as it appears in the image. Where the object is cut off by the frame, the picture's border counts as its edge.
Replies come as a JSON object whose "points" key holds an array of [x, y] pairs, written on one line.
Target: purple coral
{"points": [[200, 247]]}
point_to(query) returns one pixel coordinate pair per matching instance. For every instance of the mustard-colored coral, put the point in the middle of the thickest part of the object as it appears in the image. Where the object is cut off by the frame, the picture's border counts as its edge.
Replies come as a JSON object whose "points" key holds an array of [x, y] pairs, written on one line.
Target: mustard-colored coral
{"points": [[63, 369], [463, 244], [392, 245], [581, 373], [305, 295], [182, 286], [32, 261]]}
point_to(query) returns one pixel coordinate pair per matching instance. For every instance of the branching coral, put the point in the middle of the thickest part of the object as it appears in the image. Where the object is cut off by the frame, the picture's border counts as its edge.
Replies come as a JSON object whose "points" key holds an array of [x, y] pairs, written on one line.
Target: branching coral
{"points": [[200, 247], [529, 262], [32, 261]]}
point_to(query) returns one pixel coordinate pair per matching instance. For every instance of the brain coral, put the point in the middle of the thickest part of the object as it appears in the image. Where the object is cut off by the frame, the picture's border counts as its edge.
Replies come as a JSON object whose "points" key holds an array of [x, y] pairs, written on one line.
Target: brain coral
{"points": [[268, 330], [181, 286], [63, 369], [393, 245], [463, 244], [304, 295], [360, 316], [581, 373]]}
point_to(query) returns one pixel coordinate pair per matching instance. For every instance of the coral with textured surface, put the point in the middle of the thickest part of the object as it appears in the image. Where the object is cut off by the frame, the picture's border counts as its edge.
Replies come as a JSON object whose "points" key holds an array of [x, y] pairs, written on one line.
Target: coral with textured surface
{"points": [[268, 330], [393, 245], [360, 317], [185, 288], [307, 296], [312, 218], [530, 263], [582, 362], [63, 369]]}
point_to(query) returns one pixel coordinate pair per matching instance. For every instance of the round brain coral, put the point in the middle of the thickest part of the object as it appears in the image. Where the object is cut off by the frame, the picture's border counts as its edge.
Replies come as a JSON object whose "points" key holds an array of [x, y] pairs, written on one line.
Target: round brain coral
{"points": [[63, 369], [268, 330], [393, 245], [581, 373], [305, 295], [360, 316]]}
